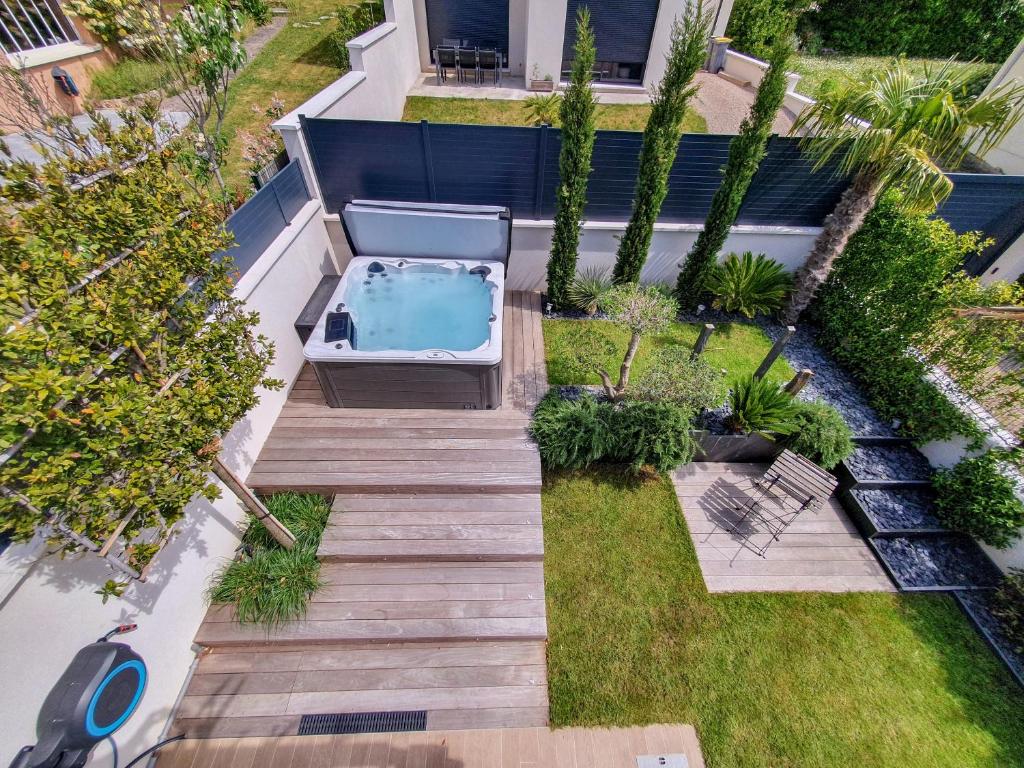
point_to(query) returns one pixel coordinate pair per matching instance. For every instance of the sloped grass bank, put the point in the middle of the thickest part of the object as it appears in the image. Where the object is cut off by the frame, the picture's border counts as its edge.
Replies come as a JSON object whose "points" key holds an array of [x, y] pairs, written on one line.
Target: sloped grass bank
{"points": [[769, 680]]}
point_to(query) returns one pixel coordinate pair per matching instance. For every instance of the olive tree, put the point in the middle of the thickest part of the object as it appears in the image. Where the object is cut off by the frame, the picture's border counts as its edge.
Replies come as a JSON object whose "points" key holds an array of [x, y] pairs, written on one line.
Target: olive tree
{"points": [[642, 310]]}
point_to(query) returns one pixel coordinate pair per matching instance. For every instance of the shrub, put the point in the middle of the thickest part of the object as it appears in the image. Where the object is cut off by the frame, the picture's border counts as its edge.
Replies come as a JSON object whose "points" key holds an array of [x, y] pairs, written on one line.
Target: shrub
{"points": [[353, 20], [588, 289], [884, 293], [573, 434], [577, 111], [130, 25], [749, 285], [820, 434], [542, 108], [756, 25], [981, 29], [257, 10], [652, 435], [269, 584], [1008, 607], [673, 377], [761, 406], [977, 498]]}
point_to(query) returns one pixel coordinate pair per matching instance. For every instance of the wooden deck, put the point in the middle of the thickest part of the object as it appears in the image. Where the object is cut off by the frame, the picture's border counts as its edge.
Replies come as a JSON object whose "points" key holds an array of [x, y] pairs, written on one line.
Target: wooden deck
{"points": [[432, 563], [507, 748], [821, 552]]}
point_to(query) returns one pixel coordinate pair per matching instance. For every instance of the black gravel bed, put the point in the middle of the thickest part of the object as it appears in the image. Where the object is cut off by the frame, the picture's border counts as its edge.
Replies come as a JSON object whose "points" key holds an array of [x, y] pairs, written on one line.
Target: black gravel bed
{"points": [[898, 510], [888, 462], [978, 605], [830, 382], [943, 561], [713, 420], [576, 391]]}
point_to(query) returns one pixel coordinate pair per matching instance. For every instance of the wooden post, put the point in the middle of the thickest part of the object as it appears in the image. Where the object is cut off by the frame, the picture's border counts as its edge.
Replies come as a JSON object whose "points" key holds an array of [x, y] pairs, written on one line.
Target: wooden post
{"points": [[797, 382], [774, 352], [274, 527], [702, 340]]}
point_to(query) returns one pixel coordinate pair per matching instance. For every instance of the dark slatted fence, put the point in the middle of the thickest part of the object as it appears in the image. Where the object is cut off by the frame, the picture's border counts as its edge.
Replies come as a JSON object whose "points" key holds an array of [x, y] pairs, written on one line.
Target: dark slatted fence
{"points": [[264, 215], [518, 168]]}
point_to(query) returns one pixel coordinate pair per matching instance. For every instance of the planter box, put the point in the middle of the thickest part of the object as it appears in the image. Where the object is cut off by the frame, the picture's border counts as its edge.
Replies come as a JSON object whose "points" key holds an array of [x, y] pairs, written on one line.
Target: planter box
{"points": [[746, 448], [547, 86], [976, 569]]}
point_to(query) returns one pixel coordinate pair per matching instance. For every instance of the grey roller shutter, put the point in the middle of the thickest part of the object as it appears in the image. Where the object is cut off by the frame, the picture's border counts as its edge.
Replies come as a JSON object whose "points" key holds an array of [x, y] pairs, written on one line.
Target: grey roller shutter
{"points": [[483, 23], [622, 28]]}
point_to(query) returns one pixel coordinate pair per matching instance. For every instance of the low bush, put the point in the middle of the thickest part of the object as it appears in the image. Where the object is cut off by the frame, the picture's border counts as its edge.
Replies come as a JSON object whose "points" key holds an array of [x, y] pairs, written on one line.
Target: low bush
{"points": [[673, 377], [573, 434], [1008, 607], [820, 434], [977, 497], [353, 20], [749, 285], [887, 291], [761, 406], [754, 25], [257, 10], [588, 289], [542, 108], [268, 584]]}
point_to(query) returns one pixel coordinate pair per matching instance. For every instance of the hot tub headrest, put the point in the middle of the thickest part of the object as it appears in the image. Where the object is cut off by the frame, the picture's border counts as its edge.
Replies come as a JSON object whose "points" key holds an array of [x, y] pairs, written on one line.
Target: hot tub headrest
{"points": [[428, 230]]}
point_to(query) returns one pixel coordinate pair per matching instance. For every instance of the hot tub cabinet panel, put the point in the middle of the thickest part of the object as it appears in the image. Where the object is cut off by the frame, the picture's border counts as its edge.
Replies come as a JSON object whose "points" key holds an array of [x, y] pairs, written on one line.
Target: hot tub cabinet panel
{"points": [[409, 385]]}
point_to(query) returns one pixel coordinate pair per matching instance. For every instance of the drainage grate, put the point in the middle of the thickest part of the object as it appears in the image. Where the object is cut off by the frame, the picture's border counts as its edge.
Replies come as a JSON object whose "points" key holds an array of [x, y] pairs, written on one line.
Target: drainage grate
{"points": [[362, 722]]}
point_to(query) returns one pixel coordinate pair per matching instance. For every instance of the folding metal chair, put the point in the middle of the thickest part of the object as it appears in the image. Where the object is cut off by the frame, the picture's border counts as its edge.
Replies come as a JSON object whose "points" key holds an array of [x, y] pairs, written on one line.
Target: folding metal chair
{"points": [[468, 63], [443, 59], [489, 60], [791, 486]]}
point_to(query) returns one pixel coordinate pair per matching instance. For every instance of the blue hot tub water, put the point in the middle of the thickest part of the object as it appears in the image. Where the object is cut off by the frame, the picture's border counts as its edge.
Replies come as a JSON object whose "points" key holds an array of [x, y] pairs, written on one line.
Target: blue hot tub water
{"points": [[418, 307]]}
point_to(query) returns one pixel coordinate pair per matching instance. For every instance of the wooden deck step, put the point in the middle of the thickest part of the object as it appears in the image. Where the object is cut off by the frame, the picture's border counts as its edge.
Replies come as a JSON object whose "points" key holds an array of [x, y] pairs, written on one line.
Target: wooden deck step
{"points": [[243, 692], [484, 527], [403, 602]]}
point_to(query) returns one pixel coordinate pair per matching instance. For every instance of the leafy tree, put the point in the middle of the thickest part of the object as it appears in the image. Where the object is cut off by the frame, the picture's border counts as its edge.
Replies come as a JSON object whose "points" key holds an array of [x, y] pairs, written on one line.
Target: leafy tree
{"points": [[686, 55], [125, 354], [915, 126], [578, 130], [643, 310], [746, 151]]}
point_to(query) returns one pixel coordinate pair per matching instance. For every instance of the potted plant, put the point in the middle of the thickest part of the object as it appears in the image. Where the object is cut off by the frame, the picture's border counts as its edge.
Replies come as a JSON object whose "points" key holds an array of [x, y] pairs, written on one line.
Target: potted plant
{"points": [[537, 83]]}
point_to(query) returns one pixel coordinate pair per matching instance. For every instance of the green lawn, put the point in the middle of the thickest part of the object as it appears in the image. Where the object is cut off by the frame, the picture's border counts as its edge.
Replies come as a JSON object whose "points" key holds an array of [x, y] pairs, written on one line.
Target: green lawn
{"points": [[735, 347], [769, 680], [613, 117], [293, 66], [817, 69]]}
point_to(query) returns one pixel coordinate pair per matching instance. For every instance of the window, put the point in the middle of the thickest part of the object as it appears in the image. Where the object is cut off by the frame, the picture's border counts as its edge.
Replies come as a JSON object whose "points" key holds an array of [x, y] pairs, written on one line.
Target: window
{"points": [[29, 24]]}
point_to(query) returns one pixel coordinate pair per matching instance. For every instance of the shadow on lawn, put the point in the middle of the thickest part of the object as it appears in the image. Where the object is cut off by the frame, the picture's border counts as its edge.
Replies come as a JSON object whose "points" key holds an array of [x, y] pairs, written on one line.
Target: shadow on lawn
{"points": [[323, 54]]}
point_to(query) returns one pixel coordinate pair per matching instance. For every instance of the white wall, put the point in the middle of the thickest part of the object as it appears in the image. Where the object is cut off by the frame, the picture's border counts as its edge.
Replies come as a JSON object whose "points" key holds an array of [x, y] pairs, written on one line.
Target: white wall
{"points": [[545, 34], [1009, 266], [49, 609], [531, 245], [1009, 155]]}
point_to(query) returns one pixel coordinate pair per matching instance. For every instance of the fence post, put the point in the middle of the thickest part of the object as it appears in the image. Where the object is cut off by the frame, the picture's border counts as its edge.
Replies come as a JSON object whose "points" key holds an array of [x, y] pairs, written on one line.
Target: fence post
{"points": [[280, 208], [774, 352], [428, 160], [799, 381], [702, 340], [542, 151]]}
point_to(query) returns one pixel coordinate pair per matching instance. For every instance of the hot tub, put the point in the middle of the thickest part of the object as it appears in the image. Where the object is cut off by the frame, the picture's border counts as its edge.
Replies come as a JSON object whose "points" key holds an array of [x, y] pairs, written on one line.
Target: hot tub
{"points": [[415, 322]]}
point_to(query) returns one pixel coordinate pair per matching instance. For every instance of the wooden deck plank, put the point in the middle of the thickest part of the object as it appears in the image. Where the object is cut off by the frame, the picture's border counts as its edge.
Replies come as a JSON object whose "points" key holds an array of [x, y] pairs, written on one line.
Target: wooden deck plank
{"points": [[821, 551]]}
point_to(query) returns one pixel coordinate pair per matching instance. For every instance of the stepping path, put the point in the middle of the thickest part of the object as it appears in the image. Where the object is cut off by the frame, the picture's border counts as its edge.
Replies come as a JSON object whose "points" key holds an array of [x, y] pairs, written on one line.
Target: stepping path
{"points": [[432, 567]]}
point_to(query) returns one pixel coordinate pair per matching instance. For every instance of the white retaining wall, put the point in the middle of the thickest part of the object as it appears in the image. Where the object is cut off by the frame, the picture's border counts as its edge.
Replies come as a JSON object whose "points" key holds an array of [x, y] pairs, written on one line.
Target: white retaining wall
{"points": [[747, 69], [48, 608]]}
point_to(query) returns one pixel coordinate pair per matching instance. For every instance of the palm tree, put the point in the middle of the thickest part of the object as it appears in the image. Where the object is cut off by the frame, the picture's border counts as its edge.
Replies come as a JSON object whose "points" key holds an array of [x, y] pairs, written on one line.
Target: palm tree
{"points": [[909, 126]]}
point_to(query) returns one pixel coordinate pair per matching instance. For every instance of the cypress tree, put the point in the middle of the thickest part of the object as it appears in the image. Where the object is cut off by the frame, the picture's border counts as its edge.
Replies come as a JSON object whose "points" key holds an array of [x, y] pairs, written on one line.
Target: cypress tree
{"points": [[661, 137], [578, 129], [746, 151]]}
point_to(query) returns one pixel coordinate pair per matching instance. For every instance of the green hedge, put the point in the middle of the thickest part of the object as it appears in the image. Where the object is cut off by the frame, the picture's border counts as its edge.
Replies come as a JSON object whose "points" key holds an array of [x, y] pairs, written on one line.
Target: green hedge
{"points": [[885, 292], [754, 25], [976, 497], [968, 29]]}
